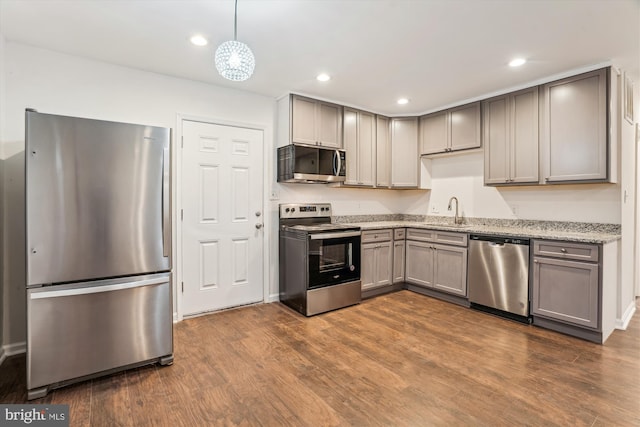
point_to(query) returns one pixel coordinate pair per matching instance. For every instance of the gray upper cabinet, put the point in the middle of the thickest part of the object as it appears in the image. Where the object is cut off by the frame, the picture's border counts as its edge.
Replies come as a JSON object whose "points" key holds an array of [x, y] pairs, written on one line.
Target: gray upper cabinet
{"points": [[451, 130], [383, 151], [360, 143], [434, 133], [573, 129], [315, 122], [510, 138], [404, 152]]}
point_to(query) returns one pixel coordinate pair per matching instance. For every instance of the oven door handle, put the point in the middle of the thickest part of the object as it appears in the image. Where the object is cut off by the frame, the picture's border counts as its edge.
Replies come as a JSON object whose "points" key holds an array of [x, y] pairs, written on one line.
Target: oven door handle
{"points": [[336, 235]]}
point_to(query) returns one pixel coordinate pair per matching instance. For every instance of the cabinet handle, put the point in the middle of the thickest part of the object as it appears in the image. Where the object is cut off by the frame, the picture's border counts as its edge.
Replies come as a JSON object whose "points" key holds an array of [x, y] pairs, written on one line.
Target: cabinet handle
{"points": [[535, 260], [563, 250]]}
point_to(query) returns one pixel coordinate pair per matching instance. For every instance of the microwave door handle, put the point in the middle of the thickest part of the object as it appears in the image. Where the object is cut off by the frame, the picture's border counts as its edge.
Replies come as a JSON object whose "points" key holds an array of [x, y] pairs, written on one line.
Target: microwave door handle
{"points": [[338, 168]]}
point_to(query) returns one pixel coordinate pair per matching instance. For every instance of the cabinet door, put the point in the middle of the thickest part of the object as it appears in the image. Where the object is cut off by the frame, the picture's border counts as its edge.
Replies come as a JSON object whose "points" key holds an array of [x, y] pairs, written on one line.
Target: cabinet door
{"points": [[383, 148], [384, 268], [496, 140], [350, 140], [566, 291], [419, 263], [404, 152], [434, 133], [398, 261], [450, 269], [574, 128], [329, 125], [465, 127], [523, 156], [303, 120], [366, 148], [368, 265]]}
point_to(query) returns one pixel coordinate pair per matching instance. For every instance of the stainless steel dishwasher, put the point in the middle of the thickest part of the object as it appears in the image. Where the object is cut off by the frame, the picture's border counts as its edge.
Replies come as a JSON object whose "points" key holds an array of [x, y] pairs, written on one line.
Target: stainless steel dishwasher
{"points": [[498, 276]]}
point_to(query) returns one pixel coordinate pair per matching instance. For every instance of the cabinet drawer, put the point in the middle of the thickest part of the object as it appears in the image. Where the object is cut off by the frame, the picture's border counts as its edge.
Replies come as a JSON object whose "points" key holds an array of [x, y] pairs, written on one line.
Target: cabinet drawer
{"points": [[376, 235], [421, 234], [399, 233], [566, 250], [448, 238]]}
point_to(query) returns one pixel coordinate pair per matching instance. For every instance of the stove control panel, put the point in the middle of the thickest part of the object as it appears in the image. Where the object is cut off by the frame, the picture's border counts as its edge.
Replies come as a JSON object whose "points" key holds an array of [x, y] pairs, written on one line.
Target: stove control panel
{"points": [[307, 210]]}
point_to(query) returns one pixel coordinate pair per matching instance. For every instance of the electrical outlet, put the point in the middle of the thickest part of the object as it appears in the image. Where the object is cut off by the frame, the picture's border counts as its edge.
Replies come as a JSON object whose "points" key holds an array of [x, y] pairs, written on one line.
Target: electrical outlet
{"points": [[514, 209], [274, 195], [434, 209]]}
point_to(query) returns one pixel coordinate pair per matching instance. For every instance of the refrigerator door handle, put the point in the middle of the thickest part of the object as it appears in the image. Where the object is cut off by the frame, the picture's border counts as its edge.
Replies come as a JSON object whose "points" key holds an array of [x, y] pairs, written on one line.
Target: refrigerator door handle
{"points": [[97, 289], [166, 220]]}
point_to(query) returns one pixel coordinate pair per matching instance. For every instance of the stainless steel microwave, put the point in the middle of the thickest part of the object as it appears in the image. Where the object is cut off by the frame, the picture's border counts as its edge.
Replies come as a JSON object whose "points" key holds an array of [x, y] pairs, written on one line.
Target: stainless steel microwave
{"points": [[299, 163]]}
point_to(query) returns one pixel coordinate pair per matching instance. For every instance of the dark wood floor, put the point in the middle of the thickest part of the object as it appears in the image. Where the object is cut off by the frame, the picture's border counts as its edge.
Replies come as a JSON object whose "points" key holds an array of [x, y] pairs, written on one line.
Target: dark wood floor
{"points": [[397, 360]]}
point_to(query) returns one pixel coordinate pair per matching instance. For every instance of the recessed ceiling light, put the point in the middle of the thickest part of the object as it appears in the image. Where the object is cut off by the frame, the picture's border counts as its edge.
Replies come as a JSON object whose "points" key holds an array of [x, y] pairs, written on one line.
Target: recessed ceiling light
{"points": [[323, 77], [403, 101], [199, 40], [517, 62]]}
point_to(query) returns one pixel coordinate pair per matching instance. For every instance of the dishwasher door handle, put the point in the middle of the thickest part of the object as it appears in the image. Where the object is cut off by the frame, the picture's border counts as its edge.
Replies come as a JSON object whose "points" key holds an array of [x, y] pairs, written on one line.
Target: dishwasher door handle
{"points": [[496, 245]]}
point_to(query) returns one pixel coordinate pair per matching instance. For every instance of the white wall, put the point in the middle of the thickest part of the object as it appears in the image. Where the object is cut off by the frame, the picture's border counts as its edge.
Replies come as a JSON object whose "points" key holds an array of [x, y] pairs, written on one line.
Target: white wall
{"points": [[63, 84], [462, 176], [2, 180]]}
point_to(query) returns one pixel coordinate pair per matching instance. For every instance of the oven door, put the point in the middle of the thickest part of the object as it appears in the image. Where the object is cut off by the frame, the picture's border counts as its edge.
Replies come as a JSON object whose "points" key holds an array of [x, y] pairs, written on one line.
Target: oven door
{"points": [[334, 257]]}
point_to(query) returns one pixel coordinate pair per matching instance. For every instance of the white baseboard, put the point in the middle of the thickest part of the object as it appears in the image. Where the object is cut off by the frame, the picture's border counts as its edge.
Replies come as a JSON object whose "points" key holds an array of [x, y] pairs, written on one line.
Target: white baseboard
{"points": [[15, 348], [626, 317], [175, 317], [273, 298]]}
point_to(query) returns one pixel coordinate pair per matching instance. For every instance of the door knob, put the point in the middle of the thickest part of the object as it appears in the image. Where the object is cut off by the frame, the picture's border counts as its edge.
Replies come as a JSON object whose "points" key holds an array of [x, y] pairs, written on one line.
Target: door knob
{"points": [[258, 213], [258, 226]]}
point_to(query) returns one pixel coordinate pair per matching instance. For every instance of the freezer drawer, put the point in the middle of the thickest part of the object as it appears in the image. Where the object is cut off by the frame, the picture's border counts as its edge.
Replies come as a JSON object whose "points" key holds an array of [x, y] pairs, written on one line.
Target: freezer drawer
{"points": [[83, 329]]}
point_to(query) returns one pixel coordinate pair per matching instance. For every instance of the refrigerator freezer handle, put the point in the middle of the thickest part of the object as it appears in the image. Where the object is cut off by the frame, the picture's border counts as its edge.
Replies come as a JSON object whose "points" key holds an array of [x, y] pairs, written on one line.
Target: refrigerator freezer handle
{"points": [[166, 185], [83, 290]]}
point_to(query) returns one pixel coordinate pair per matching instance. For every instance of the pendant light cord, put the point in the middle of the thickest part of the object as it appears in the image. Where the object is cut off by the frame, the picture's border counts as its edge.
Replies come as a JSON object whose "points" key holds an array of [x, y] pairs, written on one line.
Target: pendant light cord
{"points": [[235, 22]]}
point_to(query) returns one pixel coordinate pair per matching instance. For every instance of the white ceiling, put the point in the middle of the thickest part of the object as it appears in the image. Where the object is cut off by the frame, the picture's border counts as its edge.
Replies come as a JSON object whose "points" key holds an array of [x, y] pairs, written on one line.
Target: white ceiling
{"points": [[434, 52]]}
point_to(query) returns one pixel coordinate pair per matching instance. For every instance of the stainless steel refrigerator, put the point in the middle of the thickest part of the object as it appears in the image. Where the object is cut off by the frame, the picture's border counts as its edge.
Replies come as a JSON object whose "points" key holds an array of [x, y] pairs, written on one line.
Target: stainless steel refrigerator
{"points": [[98, 248]]}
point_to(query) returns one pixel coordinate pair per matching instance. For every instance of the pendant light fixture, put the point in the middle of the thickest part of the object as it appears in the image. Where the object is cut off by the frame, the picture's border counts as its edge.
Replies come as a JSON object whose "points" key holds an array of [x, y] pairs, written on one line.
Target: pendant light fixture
{"points": [[234, 59]]}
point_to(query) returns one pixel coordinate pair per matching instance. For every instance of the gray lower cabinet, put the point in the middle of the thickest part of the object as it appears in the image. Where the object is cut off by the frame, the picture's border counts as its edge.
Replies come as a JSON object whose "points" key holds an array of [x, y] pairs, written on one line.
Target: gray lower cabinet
{"points": [[419, 263], [565, 287], [398, 255], [450, 269], [431, 264], [377, 259]]}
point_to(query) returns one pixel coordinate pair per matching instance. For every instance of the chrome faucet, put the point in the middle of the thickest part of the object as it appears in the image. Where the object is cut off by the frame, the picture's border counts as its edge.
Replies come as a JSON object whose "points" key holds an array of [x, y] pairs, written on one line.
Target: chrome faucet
{"points": [[456, 219]]}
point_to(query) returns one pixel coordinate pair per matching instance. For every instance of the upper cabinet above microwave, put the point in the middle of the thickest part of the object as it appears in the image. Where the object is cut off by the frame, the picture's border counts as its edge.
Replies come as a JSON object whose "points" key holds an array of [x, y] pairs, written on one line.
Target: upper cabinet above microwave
{"points": [[309, 121]]}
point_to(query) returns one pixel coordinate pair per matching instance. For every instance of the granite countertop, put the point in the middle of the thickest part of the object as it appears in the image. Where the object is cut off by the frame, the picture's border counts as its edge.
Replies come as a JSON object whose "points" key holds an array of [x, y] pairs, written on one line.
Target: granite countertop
{"points": [[551, 230]]}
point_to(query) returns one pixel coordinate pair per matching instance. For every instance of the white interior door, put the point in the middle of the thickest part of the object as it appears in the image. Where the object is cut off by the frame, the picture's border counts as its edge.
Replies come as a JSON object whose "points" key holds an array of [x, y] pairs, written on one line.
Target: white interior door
{"points": [[222, 234]]}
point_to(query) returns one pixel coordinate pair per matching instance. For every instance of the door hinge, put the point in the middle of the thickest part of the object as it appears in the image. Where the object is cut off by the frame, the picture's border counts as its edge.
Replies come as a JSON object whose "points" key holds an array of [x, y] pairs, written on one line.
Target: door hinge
{"points": [[182, 142], [181, 214], [182, 287]]}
